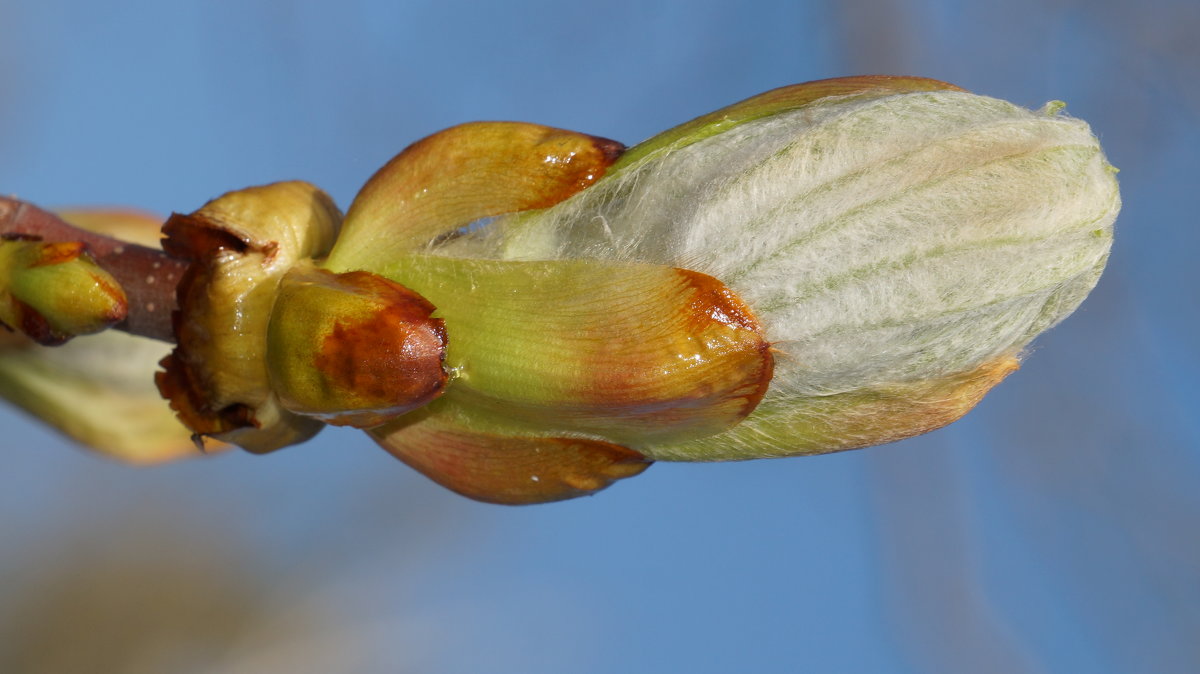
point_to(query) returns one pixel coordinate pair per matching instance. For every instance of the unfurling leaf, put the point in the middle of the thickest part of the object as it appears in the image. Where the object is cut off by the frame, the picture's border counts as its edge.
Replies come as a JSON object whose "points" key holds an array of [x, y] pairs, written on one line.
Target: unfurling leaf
{"points": [[895, 239]]}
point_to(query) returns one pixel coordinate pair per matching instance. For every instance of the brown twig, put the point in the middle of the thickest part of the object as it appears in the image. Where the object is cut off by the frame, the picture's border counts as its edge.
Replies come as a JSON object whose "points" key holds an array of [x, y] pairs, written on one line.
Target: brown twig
{"points": [[148, 276]]}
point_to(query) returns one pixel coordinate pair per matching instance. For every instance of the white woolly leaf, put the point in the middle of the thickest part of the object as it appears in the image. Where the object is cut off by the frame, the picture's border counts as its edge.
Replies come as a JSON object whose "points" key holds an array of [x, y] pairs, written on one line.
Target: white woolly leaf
{"points": [[883, 243]]}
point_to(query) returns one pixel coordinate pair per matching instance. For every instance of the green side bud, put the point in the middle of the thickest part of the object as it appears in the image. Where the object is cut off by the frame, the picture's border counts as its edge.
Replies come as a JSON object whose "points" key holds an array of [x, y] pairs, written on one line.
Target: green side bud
{"points": [[52, 292]]}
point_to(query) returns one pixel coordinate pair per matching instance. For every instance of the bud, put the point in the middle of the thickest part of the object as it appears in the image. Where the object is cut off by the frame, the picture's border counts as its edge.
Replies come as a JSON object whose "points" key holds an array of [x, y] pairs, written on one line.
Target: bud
{"points": [[826, 266], [901, 243], [52, 292]]}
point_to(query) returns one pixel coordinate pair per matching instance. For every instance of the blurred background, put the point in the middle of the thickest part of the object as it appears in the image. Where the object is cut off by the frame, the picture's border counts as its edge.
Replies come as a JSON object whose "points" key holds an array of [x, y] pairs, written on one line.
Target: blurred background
{"points": [[1054, 529]]}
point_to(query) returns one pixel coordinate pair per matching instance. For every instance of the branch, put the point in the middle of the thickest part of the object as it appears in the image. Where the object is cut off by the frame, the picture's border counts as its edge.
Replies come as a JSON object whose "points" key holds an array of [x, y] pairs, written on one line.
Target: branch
{"points": [[148, 276]]}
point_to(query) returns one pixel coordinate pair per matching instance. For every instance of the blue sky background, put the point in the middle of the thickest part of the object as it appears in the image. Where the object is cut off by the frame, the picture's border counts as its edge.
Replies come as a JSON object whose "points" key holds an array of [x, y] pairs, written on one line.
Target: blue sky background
{"points": [[1054, 529]]}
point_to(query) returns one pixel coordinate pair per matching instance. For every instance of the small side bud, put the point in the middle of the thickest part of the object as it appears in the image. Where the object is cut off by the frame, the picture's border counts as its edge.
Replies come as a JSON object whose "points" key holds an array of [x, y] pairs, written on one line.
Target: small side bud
{"points": [[52, 292]]}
